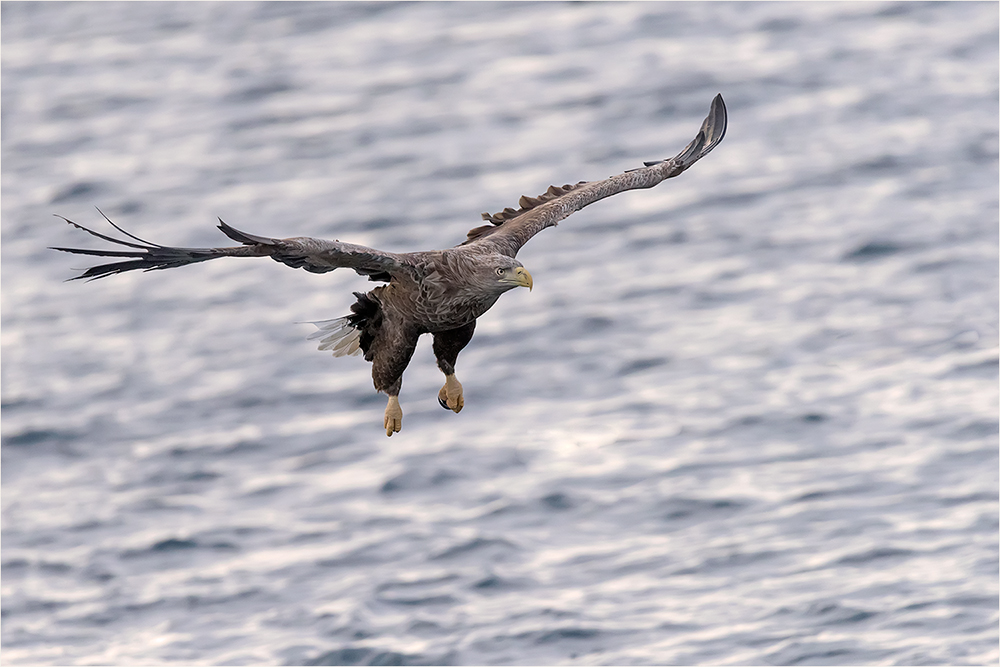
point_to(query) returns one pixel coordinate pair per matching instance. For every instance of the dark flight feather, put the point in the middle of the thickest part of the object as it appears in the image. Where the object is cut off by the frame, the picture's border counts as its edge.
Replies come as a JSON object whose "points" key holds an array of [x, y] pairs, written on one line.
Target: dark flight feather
{"points": [[513, 228]]}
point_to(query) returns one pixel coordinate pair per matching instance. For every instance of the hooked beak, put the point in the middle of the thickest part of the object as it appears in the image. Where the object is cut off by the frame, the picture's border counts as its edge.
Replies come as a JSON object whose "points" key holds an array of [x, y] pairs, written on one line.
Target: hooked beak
{"points": [[523, 278]]}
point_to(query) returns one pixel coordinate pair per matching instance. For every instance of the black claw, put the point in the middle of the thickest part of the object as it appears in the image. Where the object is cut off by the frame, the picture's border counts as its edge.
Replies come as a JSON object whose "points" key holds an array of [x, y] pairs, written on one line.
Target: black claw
{"points": [[443, 403]]}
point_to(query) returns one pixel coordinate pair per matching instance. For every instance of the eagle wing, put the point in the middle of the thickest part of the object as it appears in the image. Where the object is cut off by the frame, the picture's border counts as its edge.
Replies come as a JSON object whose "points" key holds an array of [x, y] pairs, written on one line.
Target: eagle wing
{"points": [[510, 229], [313, 255]]}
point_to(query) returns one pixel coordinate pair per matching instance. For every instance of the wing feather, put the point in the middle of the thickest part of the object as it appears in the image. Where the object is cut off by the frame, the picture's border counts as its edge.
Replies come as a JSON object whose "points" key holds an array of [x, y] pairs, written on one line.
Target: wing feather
{"points": [[314, 255], [510, 229]]}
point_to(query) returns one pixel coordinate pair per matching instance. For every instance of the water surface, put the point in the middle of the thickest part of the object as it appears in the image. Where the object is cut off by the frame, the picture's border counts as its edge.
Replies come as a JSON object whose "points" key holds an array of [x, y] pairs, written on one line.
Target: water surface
{"points": [[746, 417]]}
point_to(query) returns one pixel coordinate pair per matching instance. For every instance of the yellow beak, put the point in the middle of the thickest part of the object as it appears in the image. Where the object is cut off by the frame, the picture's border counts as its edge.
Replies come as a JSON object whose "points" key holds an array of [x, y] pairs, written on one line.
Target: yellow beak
{"points": [[523, 278]]}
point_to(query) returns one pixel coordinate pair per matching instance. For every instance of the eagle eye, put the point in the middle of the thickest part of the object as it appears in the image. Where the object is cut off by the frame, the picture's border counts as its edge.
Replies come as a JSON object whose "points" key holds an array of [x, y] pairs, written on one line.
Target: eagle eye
{"points": [[500, 272]]}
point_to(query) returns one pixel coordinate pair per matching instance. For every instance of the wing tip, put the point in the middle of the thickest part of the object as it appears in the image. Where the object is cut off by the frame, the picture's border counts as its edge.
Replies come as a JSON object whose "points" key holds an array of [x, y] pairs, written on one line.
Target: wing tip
{"points": [[712, 131], [716, 122]]}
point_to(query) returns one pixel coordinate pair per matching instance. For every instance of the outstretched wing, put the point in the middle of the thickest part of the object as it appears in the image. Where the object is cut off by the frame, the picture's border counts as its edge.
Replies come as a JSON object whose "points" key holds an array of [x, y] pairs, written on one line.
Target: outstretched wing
{"points": [[314, 255], [510, 229]]}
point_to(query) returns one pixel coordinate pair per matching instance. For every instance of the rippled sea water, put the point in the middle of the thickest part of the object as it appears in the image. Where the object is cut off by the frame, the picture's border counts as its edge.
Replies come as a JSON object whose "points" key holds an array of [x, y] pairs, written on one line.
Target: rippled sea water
{"points": [[746, 417]]}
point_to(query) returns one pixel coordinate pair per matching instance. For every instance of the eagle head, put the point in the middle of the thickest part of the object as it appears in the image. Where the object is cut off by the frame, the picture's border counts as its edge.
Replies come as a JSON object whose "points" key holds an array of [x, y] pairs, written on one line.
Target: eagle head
{"points": [[502, 273]]}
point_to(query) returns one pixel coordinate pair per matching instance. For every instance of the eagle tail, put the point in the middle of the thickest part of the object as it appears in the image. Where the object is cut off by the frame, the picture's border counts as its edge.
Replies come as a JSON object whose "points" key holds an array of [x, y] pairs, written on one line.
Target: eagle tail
{"points": [[337, 335]]}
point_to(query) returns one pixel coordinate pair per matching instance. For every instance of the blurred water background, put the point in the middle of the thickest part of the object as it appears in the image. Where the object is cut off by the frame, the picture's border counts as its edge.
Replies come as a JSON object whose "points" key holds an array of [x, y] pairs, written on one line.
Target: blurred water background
{"points": [[746, 417]]}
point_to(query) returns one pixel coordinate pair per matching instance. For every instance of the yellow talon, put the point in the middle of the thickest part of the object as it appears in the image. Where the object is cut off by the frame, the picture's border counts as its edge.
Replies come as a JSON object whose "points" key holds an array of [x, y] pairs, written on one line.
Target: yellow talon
{"points": [[450, 395], [393, 416]]}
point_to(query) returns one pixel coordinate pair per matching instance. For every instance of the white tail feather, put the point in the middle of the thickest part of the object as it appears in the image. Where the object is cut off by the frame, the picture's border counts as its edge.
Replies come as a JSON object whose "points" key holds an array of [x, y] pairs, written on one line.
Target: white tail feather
{"points": [[337, 335]]}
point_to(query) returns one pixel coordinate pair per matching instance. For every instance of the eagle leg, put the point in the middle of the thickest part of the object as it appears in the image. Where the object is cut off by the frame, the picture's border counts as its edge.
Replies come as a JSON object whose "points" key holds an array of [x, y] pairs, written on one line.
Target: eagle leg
{"points": [[447, 345], [450, 397], [393, 416]]}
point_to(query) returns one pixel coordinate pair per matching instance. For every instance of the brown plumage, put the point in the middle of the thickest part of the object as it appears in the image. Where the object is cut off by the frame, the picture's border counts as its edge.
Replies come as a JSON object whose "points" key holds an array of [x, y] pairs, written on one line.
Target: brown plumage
{"points": [[440, 292]]}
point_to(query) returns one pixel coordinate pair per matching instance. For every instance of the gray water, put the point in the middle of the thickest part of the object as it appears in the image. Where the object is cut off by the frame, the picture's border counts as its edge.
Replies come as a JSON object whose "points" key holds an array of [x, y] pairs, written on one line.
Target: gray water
{"points": [[746, 417]]}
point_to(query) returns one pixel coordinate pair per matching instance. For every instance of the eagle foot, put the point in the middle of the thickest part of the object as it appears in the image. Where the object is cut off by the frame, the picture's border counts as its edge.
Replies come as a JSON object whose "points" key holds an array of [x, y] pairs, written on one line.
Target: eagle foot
{"points": [[393, 416], [450, 397]]}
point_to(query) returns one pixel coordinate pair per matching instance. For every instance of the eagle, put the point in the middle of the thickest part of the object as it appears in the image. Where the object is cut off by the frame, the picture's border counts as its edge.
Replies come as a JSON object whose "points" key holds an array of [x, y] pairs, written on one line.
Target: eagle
{"points": [[437, 292]]}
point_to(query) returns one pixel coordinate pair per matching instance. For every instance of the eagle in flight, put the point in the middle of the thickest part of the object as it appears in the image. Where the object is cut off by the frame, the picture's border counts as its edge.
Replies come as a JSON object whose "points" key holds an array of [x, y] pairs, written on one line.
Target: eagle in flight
{"points": [[440, 292]]}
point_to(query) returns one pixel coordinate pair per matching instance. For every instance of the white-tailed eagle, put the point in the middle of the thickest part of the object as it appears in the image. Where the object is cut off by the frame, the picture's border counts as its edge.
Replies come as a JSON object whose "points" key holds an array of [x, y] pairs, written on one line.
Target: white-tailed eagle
{"points": [[440, 292]]}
